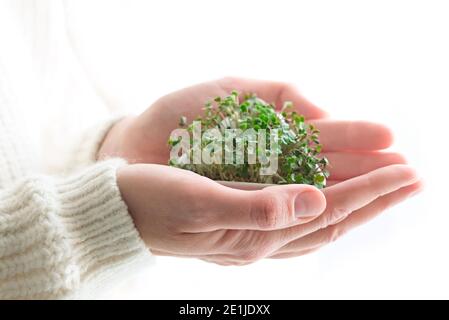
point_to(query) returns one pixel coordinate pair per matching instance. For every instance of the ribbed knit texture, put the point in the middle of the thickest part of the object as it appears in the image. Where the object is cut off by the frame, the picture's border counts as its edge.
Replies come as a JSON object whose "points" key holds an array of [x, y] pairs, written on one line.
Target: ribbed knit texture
{"points": [[59, 234], [66, 235]]}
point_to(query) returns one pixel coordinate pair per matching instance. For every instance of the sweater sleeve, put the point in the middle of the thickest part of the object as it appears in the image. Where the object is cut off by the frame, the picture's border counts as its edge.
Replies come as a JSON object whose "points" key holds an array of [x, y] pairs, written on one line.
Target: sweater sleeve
{"points": [[85, 149], [62, 237]]}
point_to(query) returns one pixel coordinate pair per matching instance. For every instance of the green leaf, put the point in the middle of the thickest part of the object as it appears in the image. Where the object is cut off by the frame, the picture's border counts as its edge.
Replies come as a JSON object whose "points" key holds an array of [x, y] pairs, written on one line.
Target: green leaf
{"points": [[174, 141], [319, 178]]}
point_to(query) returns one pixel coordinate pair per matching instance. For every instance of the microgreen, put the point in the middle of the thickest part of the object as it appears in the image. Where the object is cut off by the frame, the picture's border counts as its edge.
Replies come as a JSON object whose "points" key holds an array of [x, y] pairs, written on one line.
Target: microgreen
{"points": [[298, 148]]}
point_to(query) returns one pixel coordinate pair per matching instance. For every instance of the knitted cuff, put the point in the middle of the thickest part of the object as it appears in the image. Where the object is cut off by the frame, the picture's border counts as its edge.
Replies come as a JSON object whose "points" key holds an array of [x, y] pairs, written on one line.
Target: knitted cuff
{"points": [[62, 238]]}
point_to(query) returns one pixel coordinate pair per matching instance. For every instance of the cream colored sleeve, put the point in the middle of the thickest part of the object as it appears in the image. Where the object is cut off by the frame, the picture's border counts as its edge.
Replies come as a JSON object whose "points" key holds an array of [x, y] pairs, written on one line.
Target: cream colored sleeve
{"points": [[86, 148], [65, 237]]}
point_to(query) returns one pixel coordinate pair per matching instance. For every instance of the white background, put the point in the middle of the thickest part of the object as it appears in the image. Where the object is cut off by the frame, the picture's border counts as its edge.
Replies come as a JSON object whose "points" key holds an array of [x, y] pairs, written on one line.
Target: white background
{"points": [[377, 60]]}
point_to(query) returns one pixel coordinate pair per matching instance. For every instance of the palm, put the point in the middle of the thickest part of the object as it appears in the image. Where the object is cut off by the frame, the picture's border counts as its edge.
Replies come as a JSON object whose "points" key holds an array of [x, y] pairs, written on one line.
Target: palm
{"points": [[351, 147]]}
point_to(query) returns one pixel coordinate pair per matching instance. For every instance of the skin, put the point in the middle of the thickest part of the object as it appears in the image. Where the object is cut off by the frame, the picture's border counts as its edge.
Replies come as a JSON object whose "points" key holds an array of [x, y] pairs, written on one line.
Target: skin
{"points": [[179, 213]]}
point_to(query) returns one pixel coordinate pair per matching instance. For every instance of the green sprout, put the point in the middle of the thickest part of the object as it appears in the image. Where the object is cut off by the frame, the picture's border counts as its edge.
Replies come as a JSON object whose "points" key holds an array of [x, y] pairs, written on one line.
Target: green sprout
{"points": [[297, 149]]}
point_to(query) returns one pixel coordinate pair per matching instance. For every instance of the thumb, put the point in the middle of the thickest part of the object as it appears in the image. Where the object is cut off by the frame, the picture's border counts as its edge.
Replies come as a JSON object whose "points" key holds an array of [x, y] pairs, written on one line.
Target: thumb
{"points": [[271, 208]]}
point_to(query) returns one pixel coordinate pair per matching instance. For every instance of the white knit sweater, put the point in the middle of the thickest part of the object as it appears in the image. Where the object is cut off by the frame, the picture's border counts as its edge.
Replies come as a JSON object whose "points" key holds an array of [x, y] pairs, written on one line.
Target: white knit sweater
{"points": [[63, 232]]}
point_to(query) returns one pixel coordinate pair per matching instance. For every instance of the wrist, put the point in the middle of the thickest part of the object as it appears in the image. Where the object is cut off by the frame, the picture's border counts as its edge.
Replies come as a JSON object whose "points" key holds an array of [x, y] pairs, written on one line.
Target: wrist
{"points": [[127, 179]]}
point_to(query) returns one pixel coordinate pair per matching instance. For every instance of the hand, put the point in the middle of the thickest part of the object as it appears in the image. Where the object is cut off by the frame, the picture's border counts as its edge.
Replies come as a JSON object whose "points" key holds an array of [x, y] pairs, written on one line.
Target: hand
{"points": [[356, 194], [351, 147], [229, 226]]}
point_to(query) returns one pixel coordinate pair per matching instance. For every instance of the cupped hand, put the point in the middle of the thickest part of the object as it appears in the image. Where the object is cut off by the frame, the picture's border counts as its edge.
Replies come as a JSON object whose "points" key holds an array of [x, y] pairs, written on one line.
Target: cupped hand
{"points": [[352, 147], [179, 213]]}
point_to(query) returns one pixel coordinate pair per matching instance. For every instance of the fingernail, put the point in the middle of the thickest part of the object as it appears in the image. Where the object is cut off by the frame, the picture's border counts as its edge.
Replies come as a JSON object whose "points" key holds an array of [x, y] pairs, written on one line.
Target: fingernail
{"points": [[307, 205]]}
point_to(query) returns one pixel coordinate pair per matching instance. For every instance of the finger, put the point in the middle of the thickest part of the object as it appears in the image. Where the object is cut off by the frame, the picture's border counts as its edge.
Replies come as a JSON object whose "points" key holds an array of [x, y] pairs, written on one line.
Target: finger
{"points": [[268, 209], [343, 166], [224, 263], [328, 235], [255, 245], [353, 135], [346, 165], [163, 253], [249, 186], [209, 206], [258, 186], [236, 260], [188, 205], [358, 192], [351, 195], [292, 254], [274, 92], [331, 183]]}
